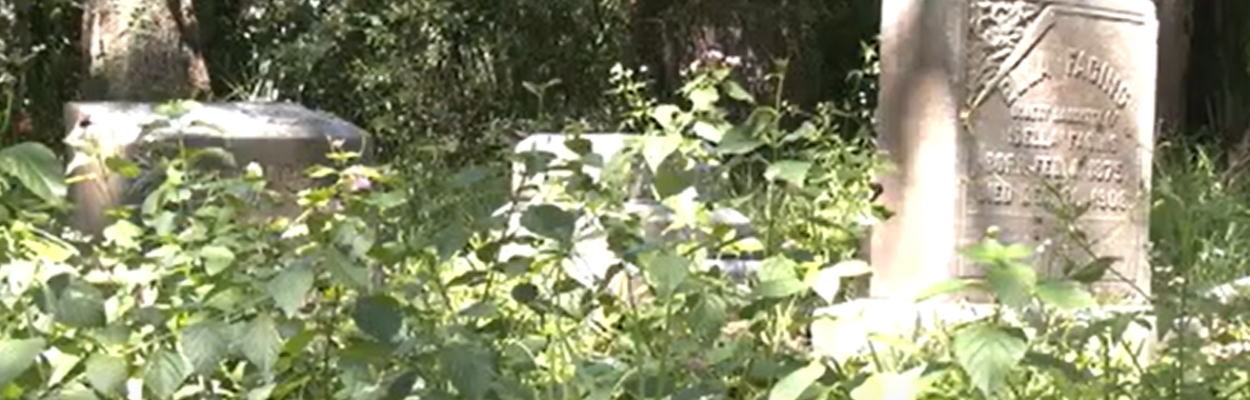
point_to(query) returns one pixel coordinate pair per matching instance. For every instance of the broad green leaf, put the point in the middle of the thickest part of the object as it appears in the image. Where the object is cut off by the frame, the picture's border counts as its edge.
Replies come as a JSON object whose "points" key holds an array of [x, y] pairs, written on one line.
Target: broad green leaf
{"points": [[451, 241], [657, 148], [778, 278], [550, 221], [988, 354], [805, 131], [17, 355], [703, 98], [36, 167], [707, 131], [216, 259], [77, 304], [346, 271], [671, 180], [481, 309], [736, 142], [789, 171], [777, 268], [827, 284], [73, 391], [737, 92], [164, 373], [1050, 361], [400, 387], [891, 386], [665, 115], [1094, 271], [1065, 295], [779, 288], [290, 288], [524, 292], [123, 234], [1016, 252], [793, 385], [993, 252], [124, 166], [107, 373], [666, 272], [1012, 283], [260, 342], [838, 338], [710, 314], [62, 364], [50, 250], [264, 392], [378, 316], [205, 345], [579, 145], [470, 369]]}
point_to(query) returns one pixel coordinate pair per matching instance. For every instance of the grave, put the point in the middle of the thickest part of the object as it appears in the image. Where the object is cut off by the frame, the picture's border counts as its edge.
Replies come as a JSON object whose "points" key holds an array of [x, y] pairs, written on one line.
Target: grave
{"points": [[283, 138], [994, 113]]}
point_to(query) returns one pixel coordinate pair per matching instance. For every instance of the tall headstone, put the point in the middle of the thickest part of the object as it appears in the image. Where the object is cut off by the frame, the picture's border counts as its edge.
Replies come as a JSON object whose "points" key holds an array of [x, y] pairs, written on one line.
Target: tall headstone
{"points": [[994, 112], [283, 138]]}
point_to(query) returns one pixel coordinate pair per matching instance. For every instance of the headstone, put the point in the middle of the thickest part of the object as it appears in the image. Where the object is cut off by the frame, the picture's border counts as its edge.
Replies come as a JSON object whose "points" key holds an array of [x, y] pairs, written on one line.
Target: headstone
{"points": [[993, 111], [285, 139]]}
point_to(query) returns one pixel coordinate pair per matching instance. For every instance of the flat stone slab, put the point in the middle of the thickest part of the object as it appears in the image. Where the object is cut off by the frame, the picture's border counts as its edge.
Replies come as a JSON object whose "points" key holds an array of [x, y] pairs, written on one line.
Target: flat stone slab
{"points": [[284, 138]]}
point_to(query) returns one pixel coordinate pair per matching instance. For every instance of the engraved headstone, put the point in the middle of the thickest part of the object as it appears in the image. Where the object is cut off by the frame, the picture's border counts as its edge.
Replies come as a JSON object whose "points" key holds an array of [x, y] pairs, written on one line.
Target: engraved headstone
{"points": [[998, 112], [284, 139]]}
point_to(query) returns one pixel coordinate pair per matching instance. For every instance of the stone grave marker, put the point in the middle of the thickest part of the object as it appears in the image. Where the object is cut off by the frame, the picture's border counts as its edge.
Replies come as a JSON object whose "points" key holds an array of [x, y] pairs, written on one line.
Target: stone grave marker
{"points": [[284, 138], [996, 111]]}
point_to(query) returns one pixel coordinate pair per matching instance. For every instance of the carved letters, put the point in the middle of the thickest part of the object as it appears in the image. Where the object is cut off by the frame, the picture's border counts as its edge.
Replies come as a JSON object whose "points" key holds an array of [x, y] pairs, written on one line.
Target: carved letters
{"points": [[1051, 119], [1100, 74], [1067, 143]]}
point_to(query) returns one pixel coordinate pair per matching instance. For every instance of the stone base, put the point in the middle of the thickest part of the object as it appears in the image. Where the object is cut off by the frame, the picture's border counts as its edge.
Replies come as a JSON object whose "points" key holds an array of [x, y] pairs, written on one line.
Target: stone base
{"points": [[881, 320], [284, 138]]}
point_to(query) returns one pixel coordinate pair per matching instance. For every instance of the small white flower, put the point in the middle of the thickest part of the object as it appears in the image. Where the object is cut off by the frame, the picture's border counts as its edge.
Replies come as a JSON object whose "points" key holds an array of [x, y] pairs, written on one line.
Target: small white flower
{"points": [[694, 66]]}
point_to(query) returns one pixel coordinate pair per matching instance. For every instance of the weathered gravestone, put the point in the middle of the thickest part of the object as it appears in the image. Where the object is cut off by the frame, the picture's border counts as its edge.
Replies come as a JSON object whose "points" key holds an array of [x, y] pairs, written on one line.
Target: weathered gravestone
{"points": [[284, 139], [996, 111]]}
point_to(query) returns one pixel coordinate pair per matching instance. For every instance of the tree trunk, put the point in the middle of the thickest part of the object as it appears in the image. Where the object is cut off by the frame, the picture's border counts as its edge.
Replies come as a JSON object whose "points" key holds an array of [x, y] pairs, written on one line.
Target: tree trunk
{"points": [[1175, 20], [142, 50], [136, 51], [668, 35]]}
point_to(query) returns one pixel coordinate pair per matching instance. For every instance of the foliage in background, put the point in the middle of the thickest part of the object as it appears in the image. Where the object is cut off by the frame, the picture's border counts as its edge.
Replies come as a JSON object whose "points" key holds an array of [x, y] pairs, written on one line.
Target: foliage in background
{"points": [[39, 68], [445, 82]]}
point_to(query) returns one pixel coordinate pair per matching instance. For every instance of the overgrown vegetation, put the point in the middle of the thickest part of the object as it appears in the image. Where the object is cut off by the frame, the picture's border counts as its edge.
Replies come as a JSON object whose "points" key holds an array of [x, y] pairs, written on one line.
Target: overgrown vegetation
{"points": [[426, 277], [355, 297]]}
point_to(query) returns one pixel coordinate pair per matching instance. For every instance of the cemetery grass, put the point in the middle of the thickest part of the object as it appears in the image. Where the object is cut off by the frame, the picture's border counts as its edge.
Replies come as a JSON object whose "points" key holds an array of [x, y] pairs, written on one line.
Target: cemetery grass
{"points": [[395, 289]]}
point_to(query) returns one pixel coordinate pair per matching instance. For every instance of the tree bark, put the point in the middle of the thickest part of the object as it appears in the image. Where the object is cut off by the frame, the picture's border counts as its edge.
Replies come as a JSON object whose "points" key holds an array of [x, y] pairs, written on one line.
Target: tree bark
{"points": [[1175, 21], [668, 35], [142, 50]]}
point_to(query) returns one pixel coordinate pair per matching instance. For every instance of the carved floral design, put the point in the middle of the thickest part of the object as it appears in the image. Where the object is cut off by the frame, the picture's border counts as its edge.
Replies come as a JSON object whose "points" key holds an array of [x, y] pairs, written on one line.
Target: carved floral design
{"points": [[995, 29]]}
